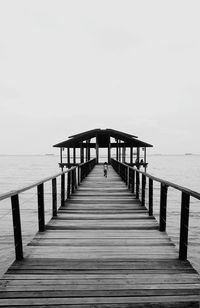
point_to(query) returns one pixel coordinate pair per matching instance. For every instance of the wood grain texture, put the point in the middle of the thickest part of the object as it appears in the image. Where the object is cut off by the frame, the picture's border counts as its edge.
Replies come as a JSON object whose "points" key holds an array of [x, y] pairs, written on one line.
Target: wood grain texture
{"points": [[102, 250]]}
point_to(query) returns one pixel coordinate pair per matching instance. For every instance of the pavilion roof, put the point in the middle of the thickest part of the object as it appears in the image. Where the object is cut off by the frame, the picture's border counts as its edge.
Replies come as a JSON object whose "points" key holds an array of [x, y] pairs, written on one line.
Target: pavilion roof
{"points": [[103, 138]]}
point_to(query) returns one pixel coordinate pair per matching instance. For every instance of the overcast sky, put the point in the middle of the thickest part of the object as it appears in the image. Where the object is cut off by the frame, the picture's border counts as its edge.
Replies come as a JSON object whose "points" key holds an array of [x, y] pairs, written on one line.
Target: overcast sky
{"points": [[71, 66]]}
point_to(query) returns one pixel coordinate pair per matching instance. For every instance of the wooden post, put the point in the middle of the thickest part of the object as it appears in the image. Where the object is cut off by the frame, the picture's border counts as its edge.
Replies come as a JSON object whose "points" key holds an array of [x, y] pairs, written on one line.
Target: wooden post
{"points": [[145, 158], [133, 181], [131, 156], [76, 177], [68, 156], [62, 189], [143, 189], [163, 206], [79, 175], [82, 153], [117, 150], [184, 225], [128, 176], [61, 161], [68, 184], [73, 181], [138, 156], [123, 153], [54, 197], [137, 184], [150, 197], [88, 148], [145, 154], [109, 151], [17, 227], [74, 155], [86, 151], [97, 153], [41, 220]]}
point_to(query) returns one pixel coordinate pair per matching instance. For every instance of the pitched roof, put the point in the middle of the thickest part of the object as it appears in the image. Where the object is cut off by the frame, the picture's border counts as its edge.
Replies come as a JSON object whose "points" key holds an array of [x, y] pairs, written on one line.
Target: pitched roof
{"points": [[103, 138]]}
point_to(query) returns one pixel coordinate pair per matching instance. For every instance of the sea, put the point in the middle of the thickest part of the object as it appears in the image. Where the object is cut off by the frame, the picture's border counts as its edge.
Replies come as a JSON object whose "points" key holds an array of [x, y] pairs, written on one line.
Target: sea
{"points": [[17, 171]]}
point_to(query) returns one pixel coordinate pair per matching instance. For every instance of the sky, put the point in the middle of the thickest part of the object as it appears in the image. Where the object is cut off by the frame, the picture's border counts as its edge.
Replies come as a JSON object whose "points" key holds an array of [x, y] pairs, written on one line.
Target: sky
{"points": [[71, 66]]}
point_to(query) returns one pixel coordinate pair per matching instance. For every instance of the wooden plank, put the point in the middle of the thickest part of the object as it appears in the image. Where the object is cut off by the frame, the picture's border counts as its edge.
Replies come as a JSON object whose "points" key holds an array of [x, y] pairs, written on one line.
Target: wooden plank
{"points": [[98, 300], [95, 293], [190, 304], [121, 216], [94, 264], [152, 234], [99, 242]]}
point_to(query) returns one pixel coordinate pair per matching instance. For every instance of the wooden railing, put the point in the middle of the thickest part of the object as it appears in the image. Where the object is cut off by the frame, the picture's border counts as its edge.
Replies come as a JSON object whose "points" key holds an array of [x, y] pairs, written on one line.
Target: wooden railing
{"points": [[135, 179], [74, 177]]}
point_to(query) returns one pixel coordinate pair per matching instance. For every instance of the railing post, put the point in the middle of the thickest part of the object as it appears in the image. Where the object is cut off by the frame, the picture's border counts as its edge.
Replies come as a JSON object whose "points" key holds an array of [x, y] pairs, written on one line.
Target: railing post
{"points": [[137, 184], [184, 224], [68, 184], [17, 227], [41, 219], [133, 181], [163, 206], [62, 189], [73, 181], [150, 197], [128, 177], [79, 173], [143, 189], [54, 197]]}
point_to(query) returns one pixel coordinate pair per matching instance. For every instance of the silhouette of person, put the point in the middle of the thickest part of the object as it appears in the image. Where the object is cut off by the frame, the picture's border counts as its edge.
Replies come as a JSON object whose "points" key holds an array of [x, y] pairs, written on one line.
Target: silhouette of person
{"points": [[105, 169]]}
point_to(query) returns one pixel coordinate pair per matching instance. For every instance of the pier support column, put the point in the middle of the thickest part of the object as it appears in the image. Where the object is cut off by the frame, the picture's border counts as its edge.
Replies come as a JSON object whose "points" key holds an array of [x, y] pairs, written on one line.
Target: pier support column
{"points": [[68, 156], [97, 153], [74, 155], [117, 149], [88, 150], [109, 151], [82, 153], [124, 153], [61, 158], [131, 156]]}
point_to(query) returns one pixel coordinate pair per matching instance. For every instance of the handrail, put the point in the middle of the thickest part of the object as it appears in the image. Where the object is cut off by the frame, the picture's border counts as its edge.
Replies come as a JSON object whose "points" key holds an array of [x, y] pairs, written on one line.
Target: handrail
{"points": [[74, 176], [131, 176], [21, 190], [186, 190]]}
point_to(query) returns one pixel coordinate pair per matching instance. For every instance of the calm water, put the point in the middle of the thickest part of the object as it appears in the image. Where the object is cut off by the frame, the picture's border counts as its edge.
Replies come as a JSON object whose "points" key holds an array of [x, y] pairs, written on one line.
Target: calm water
{"points": [[18, 171]]}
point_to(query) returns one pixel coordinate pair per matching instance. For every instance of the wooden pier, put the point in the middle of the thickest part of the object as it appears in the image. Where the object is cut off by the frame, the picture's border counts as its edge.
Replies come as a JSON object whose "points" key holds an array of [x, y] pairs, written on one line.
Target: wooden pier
{"points": [[101, 249]]}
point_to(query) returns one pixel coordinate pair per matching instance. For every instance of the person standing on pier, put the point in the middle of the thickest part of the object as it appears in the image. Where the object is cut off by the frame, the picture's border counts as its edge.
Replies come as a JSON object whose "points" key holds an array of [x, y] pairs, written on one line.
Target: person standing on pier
{"points": [[105, 169]]}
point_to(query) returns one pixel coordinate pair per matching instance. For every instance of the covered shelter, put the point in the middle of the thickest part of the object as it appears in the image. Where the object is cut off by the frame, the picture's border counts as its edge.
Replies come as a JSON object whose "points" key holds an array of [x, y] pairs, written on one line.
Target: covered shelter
{"points": [[121, 146]]}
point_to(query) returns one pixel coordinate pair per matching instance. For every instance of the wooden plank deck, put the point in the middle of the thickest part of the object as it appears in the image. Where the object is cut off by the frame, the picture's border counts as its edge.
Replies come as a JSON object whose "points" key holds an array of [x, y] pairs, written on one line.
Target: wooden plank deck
{"points": [[102, 250]]}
